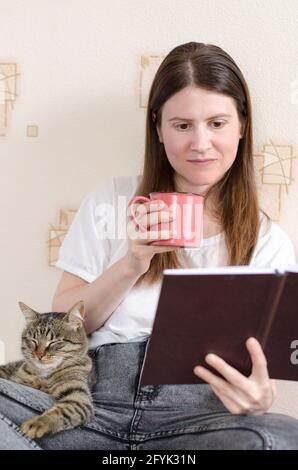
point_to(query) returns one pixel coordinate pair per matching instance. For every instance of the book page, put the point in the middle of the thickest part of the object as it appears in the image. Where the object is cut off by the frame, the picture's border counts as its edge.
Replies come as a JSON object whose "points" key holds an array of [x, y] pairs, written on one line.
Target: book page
{"points": [[221, 270]]}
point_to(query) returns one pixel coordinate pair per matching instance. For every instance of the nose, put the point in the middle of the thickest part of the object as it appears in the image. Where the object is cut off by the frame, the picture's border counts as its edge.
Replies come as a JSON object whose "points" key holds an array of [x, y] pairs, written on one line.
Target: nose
{"points": [[200, 139], [40, 353]]}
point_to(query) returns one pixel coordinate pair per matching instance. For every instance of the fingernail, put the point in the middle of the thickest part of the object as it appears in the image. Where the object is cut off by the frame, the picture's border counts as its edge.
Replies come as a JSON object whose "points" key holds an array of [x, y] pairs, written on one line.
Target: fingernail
{"points": [[252, 340], [210, 357]]}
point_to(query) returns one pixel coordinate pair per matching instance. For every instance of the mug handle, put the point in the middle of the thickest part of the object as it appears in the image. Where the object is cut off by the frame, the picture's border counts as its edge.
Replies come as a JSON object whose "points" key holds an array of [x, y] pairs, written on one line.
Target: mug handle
{"points": [[131, 212]]}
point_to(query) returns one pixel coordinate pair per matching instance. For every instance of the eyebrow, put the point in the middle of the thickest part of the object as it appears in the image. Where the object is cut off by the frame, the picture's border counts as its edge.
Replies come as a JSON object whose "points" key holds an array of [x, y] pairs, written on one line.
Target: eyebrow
{"points": [[211, 117]]}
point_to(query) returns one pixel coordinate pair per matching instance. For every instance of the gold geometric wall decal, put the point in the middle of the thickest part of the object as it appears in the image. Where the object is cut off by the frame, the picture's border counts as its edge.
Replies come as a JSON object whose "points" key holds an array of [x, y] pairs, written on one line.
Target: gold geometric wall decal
{"points": [[32, 131], [274, 175], [57, 234], [8, 94], [149, 66], [66, 217], [277, 164]]}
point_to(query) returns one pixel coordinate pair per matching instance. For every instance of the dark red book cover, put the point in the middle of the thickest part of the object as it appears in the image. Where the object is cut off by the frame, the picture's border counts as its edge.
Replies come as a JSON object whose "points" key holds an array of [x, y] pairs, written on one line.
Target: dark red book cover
{"points": [[201, 312]]}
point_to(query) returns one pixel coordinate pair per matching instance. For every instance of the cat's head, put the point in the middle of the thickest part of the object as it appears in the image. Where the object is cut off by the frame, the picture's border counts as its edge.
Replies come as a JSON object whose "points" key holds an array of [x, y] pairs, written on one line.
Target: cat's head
{"points": [[50, 338]]}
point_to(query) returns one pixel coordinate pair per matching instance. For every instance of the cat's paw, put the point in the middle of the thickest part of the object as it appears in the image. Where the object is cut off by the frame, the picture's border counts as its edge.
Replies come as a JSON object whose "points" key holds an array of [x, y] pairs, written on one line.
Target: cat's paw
{"points": [[36, 427]]}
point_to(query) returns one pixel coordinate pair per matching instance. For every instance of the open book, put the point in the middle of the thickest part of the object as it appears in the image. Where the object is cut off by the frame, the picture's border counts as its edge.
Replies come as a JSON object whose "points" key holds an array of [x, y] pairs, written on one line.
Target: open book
{"points": [[216, 310]]}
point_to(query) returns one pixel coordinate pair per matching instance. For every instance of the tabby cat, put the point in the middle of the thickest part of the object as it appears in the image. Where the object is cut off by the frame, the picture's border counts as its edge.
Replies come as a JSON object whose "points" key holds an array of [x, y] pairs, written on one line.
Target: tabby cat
{"points": [[54, 347]]}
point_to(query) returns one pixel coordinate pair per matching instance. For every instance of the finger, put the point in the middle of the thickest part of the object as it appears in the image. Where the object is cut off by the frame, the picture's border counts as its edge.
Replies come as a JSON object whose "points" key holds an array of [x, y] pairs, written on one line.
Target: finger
{"points": [[228, 403], [232, 398], [258, 359], [273, 388], [164, 234], [155, 218], [145, 236], [211, 378], [137, 210], [231, 374], [155, 235], [163, 249], [235, 407], [151, 206]]}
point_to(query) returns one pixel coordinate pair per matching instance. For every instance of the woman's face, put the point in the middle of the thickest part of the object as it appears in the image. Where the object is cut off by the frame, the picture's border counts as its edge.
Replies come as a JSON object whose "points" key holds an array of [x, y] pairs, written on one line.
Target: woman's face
{"points": [[200, 131]]}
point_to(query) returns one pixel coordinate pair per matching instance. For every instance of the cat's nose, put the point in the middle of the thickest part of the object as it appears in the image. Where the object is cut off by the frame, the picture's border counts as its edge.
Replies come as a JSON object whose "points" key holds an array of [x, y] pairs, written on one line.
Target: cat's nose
{"points": [[39, 354]]}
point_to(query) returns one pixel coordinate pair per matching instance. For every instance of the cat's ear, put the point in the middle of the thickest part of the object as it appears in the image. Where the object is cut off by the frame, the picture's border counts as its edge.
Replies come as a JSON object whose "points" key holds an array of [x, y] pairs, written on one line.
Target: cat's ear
{"points": [[29, 314], [76, 314]]}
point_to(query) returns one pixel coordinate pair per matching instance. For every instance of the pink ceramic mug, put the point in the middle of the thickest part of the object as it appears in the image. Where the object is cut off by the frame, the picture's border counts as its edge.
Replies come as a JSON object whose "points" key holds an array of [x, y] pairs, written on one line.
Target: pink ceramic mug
{"points": [[188, 222]]}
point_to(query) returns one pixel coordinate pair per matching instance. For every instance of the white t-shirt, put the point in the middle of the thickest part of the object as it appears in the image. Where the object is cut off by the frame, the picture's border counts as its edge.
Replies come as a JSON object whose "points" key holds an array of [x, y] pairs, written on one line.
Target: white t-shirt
{"points": [[97, 238]]}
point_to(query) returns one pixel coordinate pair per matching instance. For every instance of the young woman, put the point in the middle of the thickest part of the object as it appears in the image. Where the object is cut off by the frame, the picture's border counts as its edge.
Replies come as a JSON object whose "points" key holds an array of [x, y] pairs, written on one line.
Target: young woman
{"points": [[198, 139]]}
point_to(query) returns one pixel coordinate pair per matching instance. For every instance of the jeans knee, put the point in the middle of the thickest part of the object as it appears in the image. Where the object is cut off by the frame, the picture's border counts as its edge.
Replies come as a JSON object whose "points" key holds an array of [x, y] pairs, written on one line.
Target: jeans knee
{"points": [[278, 432]]}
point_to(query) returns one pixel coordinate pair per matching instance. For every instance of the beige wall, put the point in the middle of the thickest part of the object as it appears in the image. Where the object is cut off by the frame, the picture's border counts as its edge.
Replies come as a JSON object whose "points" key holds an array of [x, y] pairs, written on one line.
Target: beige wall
{"points": [[79, 65]]}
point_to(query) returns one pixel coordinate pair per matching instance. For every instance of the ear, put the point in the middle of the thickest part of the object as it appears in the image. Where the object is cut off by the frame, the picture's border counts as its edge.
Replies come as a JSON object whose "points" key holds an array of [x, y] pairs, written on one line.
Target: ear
{"points": [[157, 127], [159, 134], [76, 315], [242, 130], [30, 315]]}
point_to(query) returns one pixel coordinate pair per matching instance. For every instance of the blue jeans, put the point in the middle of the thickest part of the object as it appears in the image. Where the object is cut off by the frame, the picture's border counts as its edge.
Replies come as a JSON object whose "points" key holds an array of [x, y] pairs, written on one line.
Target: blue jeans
{"points": [[129, 416]]}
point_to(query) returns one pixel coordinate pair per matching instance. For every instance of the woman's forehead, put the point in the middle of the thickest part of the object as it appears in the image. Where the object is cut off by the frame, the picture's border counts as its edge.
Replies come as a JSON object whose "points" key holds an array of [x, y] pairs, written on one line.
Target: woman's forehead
{"points": [[194, 102]]}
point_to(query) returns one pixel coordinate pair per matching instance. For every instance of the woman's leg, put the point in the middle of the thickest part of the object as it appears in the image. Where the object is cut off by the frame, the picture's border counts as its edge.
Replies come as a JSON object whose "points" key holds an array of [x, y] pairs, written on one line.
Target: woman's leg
{"points": [[19, 403], [192, 417], [12, 438], [117, 369], [230, 432]]}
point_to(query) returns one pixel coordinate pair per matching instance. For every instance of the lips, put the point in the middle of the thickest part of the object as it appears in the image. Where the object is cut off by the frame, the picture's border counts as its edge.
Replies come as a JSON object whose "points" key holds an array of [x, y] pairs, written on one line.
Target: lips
{"points": [[202, 163], [202, 160]]}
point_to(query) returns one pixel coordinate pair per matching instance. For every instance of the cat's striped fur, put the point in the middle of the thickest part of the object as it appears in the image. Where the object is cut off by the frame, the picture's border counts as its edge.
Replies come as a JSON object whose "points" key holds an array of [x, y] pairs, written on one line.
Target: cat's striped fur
{"points": [[55, 347]]}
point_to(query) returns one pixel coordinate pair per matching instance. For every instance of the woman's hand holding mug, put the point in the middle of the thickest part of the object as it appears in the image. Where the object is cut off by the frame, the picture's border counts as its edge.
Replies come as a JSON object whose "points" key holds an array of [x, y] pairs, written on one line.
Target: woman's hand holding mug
{"points": [[140, 234]]}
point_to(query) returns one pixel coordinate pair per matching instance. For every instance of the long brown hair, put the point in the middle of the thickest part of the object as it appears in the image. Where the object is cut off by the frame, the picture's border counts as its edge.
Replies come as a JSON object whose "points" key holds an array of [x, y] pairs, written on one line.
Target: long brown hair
{"points": [[206, 66]]}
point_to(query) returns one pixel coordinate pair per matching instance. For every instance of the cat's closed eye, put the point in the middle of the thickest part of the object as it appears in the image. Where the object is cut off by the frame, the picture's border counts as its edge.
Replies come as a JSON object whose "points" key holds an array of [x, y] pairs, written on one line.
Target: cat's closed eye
{"points": [[33, 342], [56, 344]]}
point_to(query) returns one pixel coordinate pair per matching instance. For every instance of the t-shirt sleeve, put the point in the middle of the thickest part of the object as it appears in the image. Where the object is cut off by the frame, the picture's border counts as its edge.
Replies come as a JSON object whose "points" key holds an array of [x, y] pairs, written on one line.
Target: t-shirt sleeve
{"points": [[274, 249], [83, 252]]}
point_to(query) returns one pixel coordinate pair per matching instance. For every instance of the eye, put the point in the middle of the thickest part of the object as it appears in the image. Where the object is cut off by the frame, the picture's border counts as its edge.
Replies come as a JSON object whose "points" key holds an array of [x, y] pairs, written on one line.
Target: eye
{"points": [[179, 126], [56, 344], [221, 123], [33, 342]]}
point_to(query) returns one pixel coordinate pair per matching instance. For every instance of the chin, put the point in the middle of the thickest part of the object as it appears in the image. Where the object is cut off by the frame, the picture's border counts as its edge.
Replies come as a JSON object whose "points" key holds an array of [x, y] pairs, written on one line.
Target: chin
{"points": [[47, 365], [194, 179]]}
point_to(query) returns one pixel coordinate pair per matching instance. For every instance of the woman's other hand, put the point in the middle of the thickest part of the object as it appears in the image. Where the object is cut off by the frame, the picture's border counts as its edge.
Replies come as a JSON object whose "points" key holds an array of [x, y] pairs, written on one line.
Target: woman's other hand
{"points": [[241, 395]]}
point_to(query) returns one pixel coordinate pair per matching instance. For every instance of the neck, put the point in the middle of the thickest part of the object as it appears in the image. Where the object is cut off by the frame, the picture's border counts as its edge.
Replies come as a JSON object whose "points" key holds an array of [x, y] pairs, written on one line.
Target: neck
{"points": [[211, 225], [183, 186]]}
